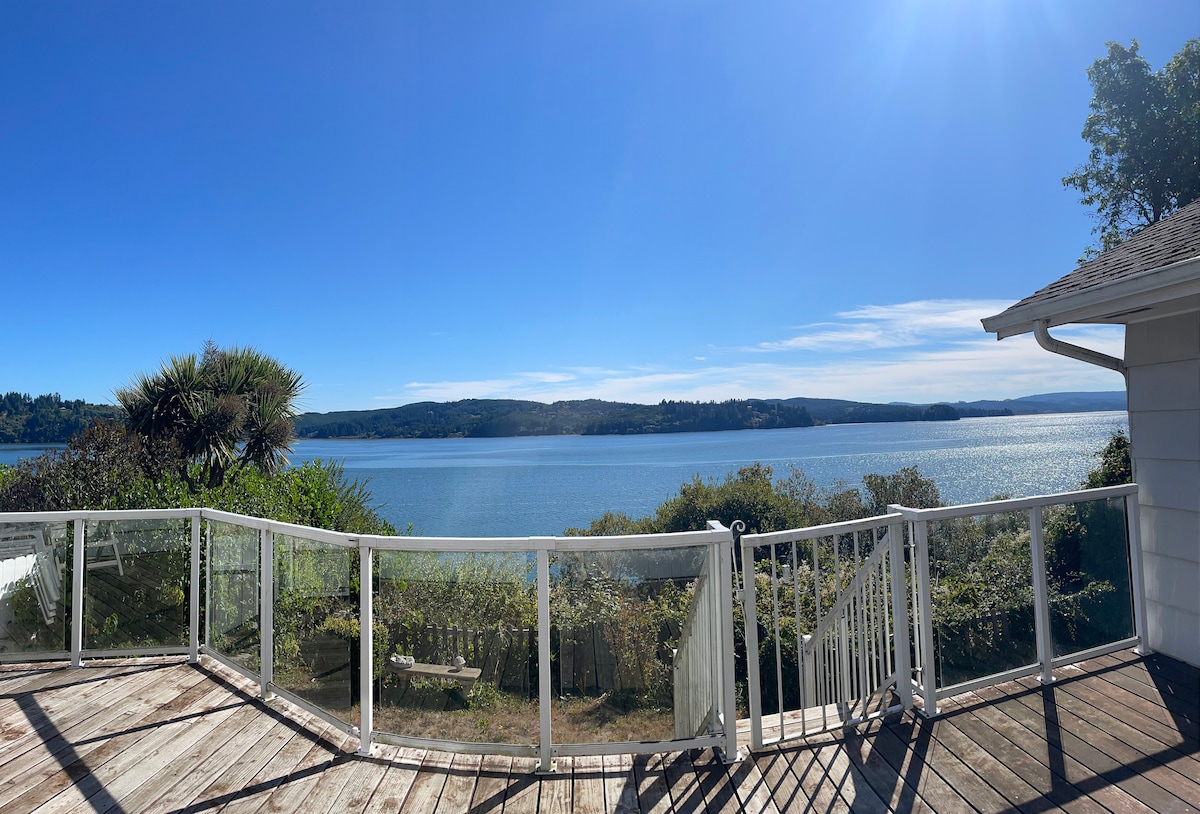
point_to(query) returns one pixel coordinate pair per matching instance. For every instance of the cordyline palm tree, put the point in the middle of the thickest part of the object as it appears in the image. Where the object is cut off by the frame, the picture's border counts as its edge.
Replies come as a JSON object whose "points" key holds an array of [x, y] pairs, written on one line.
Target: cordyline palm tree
{"points": [[227, 409]]}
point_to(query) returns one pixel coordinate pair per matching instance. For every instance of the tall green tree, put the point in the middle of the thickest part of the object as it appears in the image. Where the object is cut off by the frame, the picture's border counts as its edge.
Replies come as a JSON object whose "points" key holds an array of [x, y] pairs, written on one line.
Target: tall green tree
{"points": [[226, 409], [1144, 129]]}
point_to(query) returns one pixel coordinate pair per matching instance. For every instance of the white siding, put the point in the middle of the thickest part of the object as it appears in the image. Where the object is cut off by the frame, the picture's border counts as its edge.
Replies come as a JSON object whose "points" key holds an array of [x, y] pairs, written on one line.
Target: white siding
{"points": [[1163, 357]]}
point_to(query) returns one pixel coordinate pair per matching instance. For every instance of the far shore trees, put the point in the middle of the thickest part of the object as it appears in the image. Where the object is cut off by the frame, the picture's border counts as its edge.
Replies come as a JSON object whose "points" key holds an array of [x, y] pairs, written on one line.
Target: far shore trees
{"points": [[1144, 129]]}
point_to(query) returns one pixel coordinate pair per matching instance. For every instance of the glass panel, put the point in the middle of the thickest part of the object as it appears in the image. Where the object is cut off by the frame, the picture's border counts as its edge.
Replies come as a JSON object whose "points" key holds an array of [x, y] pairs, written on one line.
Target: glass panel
{"points": [[233, 600], [1087, 570], [616, 619], [982, 592], [316, 623], [35, 587], [432, 608], [137, 582]]}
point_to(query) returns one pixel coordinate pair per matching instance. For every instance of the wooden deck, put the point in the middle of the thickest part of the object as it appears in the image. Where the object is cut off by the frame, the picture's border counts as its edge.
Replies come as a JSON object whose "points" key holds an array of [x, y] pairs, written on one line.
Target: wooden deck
{"points": [[1117, 734]]}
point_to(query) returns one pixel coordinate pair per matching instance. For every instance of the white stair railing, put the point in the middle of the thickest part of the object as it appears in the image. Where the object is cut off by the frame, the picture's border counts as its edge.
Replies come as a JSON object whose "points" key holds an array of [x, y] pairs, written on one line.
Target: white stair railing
{"points": [[841, 581]]}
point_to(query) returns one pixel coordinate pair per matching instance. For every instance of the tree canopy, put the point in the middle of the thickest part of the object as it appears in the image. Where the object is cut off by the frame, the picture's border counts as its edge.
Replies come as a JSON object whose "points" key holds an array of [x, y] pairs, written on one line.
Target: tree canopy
{"points": [[1144, 129], [225, 410]]}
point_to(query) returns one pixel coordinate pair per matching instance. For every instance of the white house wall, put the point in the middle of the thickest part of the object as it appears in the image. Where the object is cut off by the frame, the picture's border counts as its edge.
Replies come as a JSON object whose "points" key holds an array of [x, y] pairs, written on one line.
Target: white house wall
{"points": [[1163, 358]]}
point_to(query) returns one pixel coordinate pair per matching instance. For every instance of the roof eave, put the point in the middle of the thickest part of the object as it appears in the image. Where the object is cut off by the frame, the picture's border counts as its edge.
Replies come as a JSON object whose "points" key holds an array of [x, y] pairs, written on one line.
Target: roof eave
{"points": [[1108, 302]]}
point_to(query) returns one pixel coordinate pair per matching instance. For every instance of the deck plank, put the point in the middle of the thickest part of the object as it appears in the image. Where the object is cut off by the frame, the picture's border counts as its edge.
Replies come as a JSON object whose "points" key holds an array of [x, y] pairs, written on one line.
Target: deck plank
{"points": [[461, 778], [430, 781], [62, 719], [682, 783], [38, 775], [521, 796], [397, 781], [492, 784], [1020, 777], [620, 784], [1065, 765], [889, 786], [554, 792], [751, 787], [587, 785], [177, 784], [125, 761], [1126, 760], [715, 782], [651, 777], [852, 785], [1111, 735], [956, 735], [781, 783], [363, 780]]}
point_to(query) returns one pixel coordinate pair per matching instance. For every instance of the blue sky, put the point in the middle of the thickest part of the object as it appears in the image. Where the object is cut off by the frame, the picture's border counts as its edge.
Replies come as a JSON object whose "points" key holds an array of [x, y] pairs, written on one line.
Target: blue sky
{"points": [[629, 201]]}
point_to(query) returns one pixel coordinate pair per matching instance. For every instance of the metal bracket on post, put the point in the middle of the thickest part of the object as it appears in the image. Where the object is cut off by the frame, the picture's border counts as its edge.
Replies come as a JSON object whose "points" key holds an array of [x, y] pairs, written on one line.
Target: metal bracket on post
{"points": [[1041, 597]]}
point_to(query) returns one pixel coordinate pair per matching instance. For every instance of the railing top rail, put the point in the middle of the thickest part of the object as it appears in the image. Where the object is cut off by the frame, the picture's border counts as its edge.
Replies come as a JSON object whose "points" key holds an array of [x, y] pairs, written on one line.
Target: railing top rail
{"points": [[716, 533], [1015, 504], [99, 514], [814, 532], [624, 542]]}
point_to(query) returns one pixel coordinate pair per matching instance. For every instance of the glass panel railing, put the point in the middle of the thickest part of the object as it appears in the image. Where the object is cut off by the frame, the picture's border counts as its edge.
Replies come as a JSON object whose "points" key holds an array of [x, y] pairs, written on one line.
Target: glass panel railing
{"points": [[982, 592], [35, 587], [232, 617], [456, 648], [136, 583], [1087, 573], [616, 619], [316, 624]]}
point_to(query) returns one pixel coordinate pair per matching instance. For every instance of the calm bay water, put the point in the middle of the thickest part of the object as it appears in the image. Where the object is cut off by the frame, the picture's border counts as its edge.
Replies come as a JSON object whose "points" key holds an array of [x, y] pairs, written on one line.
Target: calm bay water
{"points": [[542, 486]]}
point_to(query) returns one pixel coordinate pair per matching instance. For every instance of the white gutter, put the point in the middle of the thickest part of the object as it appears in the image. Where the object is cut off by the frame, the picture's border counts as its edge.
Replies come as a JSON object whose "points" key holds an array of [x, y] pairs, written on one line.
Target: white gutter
{"points": [[1092, 357], [1102, 303]]}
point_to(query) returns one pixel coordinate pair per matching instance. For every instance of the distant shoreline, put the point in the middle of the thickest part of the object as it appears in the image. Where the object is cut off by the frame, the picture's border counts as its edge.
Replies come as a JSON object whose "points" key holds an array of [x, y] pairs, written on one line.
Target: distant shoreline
{"points": [[504, 418]]}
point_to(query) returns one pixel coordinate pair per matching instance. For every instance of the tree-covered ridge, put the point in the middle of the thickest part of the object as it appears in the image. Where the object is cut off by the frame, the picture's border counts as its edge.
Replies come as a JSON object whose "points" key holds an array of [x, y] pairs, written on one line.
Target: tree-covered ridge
{"points": [[495, 418], [47, 419]]}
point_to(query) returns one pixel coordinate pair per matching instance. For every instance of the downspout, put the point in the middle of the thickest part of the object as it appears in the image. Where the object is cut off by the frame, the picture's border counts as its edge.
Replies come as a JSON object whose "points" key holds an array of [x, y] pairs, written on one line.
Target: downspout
{"points": [[1092, 357]]}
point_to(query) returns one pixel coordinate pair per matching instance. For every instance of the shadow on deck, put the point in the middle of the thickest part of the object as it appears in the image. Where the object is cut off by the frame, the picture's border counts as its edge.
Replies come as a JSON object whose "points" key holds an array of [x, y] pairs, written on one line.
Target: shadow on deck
{"points": [[1116, 733]]}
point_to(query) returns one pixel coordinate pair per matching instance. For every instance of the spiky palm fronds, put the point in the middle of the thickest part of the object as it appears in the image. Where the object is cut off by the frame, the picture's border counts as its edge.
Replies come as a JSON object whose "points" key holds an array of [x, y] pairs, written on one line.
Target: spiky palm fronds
{"points": [[230, 408]]}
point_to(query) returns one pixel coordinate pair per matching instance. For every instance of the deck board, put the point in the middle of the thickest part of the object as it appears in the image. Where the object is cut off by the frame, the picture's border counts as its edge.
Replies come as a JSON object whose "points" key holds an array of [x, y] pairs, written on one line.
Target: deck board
{"points": [[1120, 733]]}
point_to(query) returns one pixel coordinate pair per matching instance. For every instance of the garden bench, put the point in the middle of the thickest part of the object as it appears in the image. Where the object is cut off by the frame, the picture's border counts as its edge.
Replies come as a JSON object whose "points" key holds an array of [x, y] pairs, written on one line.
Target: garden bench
{"points": [[465, 676]]}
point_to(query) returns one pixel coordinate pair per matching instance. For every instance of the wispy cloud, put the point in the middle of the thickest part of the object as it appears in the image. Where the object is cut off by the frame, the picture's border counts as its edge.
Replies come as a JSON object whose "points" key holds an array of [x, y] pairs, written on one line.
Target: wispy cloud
{"points": [[872, 327], [926, 351]]}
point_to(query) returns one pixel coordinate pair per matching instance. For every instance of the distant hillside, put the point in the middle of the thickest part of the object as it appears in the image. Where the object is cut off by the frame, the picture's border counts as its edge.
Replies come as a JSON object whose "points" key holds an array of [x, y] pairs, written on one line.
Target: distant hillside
{"points": [[483, 418], [1046, 403], [26, 419], [494, 418]]}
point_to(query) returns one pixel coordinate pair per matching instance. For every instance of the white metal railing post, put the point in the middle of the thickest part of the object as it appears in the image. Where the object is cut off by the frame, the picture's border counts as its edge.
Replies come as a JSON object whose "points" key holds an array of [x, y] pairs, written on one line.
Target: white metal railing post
{"points": [[545, 694], [727, 694], [77, 560], [1137, 577], [366, 637], [925, 602], [266, 621], [750, 618], [194, 610], [901, 631], [1041, 597]]}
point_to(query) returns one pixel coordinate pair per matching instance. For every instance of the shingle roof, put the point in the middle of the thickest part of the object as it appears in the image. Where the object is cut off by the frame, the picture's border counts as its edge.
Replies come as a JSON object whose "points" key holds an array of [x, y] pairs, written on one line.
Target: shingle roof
{"points": [[1172, 239]]}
